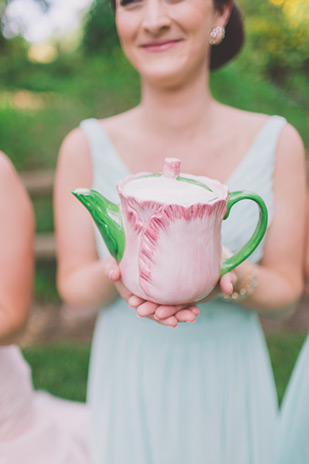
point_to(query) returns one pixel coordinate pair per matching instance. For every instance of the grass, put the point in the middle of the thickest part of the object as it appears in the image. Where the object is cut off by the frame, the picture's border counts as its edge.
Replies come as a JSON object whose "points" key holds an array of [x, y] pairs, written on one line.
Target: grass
{"points": [[62, 369], [284, 349]]}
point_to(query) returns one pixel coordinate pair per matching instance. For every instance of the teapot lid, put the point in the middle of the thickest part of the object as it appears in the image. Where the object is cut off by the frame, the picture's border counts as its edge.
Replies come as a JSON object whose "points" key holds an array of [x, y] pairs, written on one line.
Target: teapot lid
{"points": [[172, 188]]}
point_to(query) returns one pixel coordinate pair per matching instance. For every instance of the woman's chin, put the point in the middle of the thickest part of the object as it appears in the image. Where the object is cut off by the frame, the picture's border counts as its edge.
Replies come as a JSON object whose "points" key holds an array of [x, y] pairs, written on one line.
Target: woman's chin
{"points": [[164, 79]]}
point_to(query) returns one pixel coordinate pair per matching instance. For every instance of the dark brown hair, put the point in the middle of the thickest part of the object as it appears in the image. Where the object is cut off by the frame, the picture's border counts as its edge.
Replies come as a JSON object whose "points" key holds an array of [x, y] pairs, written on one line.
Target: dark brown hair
{"points": [[234, 36]]}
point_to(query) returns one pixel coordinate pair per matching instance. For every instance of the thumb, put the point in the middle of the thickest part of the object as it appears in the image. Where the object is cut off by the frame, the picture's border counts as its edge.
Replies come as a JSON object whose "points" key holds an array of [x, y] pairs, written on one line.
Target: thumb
{"points": [[226, 283], [111, 269]]}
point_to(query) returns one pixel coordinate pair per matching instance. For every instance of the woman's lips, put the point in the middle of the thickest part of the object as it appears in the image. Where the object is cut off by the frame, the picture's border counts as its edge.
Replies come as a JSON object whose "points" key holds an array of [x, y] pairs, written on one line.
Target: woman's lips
{"points": [[160, 46]]}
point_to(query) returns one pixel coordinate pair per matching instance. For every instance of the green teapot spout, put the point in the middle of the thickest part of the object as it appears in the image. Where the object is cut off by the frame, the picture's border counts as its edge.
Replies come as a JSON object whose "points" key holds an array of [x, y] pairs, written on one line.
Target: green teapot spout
{"points": [[107, 217]]}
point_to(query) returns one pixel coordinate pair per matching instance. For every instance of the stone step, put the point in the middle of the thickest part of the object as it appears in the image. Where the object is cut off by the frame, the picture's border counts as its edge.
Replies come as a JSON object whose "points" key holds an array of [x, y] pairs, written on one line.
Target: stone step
{"points": [[38, 182], [45, 246]]}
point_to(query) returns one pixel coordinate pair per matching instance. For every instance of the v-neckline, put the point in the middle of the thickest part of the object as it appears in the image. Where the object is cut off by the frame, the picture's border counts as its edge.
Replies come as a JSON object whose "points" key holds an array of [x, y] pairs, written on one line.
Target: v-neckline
{"points": [[230, 178]]}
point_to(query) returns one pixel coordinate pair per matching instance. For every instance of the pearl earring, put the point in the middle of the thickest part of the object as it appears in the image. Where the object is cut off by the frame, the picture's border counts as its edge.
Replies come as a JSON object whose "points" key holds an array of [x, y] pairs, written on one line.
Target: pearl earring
{"points": [[216, 36]]}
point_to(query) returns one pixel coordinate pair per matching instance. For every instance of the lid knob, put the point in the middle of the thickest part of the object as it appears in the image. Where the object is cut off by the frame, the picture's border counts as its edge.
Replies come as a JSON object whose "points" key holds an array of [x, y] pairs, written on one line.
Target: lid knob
{"points": [[171, 168]]}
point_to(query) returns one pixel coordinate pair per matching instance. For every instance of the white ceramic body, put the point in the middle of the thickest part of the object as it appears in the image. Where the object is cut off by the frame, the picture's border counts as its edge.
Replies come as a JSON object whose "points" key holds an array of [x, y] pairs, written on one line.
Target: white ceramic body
{"points": [[172, 252]]}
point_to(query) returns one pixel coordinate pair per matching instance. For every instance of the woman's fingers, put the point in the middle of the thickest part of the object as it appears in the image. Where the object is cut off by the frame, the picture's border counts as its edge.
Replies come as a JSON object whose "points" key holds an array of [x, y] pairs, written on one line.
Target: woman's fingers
{"points": [[146, 309], [135, 301], [196, 310], [169, 321], [112, 269], [164, 311], [227, 282], [182, 314], [114, 274], [122, 290], [185, 315]]}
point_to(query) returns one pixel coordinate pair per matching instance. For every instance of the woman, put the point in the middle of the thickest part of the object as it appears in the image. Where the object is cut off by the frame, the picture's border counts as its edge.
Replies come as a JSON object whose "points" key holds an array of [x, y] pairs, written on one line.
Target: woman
{"points": [[35, 428], [294, 414], [202, 392]]}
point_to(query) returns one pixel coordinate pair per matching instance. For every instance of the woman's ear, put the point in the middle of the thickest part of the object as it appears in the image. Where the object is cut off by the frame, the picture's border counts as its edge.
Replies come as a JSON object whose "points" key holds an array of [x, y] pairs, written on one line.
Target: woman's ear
{"points": [[224, 13]]}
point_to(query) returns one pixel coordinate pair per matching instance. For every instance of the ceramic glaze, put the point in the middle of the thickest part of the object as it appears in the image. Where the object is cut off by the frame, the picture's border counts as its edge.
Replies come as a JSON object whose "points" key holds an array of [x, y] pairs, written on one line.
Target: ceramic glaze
{"points": [[170, 188], [166, 234]]}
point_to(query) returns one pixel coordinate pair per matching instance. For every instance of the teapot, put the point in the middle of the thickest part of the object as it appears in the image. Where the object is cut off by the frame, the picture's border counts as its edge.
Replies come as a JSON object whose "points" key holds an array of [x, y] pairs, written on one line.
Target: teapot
{"points": [[166, 232]]}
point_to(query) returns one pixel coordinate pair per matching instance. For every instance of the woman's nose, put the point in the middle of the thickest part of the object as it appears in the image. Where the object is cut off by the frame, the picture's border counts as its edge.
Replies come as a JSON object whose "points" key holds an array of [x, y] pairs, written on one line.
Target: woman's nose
{"points": [[156, 17]]}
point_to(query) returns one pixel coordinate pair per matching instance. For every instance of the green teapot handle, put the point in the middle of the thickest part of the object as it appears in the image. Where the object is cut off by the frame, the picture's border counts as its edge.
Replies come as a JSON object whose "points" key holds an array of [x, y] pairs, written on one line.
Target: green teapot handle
{"points": [[234, 197]]}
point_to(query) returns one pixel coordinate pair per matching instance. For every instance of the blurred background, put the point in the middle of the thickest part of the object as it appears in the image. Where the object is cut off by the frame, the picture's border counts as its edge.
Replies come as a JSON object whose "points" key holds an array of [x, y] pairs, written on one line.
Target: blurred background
{"points": [[60, 62]]}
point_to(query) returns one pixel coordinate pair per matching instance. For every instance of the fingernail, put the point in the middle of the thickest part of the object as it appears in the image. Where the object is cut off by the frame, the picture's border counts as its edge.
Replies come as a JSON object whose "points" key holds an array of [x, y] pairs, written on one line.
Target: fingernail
{"points": [[110, 274]]}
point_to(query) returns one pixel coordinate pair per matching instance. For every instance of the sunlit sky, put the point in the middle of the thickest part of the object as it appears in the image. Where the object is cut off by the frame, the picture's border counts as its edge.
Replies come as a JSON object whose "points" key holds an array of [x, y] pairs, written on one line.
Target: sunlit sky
{"points": [[26, 17]]}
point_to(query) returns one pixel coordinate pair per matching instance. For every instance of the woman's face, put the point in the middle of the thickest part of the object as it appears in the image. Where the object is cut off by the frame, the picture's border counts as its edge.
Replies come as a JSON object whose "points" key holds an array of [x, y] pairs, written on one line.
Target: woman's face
{"points": [[167, 40]]}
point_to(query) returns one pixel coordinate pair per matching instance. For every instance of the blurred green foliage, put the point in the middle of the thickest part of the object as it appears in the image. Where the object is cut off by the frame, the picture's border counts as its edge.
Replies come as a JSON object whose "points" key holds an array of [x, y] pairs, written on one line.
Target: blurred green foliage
{"points": [[60, 369], [100, 30], [277, 37], [284, 349]]}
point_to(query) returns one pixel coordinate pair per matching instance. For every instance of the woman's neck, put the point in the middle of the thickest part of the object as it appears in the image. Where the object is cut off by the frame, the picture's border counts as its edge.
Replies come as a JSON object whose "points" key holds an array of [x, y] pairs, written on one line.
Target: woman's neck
{"points": [[184, 109]]}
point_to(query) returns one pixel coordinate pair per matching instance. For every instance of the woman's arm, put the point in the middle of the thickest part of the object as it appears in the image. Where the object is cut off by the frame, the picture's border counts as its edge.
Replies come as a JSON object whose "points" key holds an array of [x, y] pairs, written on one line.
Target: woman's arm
{"points": [[81, 276], [306, 270], [16, 255], [280, 273]]}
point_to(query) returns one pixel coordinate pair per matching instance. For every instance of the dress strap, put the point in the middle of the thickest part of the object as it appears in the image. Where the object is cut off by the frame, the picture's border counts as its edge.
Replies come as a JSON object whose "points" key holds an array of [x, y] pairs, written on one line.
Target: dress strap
{"points": [[260, 159], [107, 166], [106, 161], [267, 139], [255, 173]]}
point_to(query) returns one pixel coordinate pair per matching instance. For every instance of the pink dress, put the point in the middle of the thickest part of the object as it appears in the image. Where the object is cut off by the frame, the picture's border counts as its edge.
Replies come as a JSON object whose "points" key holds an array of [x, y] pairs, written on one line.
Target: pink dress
{"points": [[35, 427]]}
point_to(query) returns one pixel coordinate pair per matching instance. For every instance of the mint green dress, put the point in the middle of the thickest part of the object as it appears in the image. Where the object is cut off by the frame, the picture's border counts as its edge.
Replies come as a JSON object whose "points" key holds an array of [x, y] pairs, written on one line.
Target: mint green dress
{"points": [[294, 415], [202, 393]]}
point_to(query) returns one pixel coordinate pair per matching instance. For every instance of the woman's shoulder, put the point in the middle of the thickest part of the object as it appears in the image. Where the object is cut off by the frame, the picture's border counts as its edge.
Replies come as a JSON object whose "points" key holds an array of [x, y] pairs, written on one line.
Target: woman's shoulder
{"points": [[12, 187], [8, 174], [251, 122], [76, 140], [6, 166]]}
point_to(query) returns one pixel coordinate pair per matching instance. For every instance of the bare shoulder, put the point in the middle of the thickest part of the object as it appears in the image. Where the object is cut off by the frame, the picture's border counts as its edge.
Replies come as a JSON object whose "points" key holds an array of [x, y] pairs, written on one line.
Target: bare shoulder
{"points": [[241, 118], [74, 159], [289, 139], [75, 144], [13, 190], [74, 155], [290, 163], [290, 144], [9, 178], [6, 167]]}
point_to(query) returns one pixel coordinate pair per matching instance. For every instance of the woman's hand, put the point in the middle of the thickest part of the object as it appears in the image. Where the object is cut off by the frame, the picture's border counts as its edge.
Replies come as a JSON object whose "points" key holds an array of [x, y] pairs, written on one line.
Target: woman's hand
{"points": [[163, 314], [237, 280], [227, 282]]}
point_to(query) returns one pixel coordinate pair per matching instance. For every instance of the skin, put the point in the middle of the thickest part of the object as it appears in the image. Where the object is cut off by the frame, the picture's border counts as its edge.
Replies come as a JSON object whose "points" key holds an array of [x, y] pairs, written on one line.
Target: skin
{"points": [[307, 250], [177, 116], [16, 257]]}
